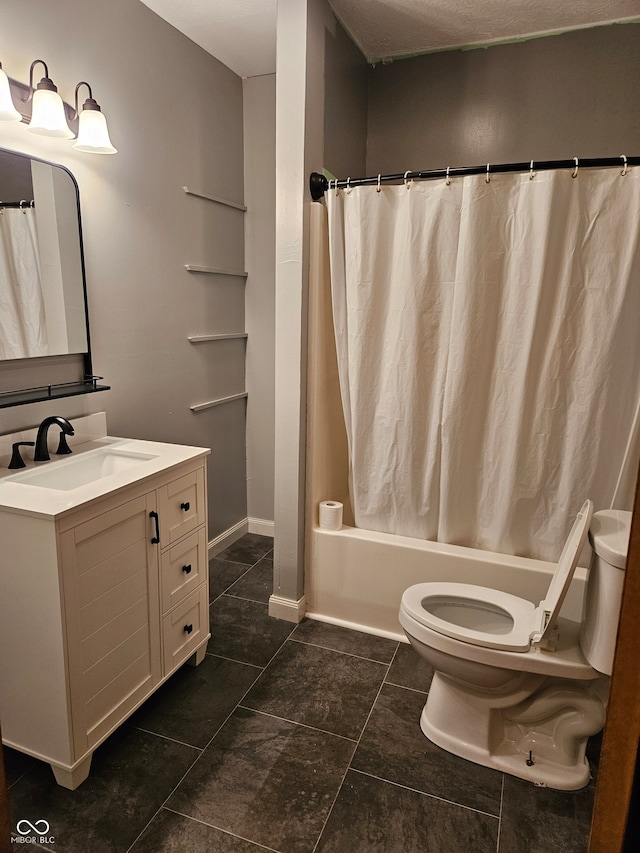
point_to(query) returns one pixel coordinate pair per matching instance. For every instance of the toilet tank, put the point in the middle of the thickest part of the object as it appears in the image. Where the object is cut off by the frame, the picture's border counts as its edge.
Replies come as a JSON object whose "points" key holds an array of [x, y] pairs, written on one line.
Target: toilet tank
{"points": [[609, 539]]}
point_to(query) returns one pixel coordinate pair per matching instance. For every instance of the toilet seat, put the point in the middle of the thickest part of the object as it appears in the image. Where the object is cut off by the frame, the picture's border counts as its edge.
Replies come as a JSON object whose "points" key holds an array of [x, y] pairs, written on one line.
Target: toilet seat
{"points": [[507, 620], [494, 619]]}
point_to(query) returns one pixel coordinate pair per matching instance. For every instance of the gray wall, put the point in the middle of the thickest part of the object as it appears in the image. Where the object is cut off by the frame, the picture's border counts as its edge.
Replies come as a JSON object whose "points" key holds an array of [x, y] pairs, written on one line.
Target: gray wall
{"points": [[345, 105], [260, 190], [572, 95], [175, 114]]}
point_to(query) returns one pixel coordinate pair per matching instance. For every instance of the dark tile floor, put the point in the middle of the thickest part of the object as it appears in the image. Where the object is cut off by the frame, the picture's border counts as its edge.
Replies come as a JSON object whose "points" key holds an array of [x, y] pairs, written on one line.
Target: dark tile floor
{"points": [[290, 739]]}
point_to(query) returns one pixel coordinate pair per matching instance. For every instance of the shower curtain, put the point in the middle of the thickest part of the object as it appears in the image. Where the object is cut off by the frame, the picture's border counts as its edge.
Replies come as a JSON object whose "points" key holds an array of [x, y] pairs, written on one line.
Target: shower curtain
{"points": [[23, 331], [487, 338]]}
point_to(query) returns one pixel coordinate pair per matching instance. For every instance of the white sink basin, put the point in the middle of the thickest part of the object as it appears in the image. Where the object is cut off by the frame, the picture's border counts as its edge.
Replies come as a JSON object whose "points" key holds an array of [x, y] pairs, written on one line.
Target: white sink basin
{"points": [[74, 472]]}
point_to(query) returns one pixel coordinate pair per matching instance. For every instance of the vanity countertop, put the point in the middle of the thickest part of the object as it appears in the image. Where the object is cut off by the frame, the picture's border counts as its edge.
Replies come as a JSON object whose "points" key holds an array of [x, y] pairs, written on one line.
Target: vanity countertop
{"points": [[128, 461]]}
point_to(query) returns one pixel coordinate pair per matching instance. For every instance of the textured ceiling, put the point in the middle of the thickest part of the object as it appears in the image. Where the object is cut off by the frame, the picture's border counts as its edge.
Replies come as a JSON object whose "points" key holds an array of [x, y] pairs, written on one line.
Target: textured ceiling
{"points": [[392, 28], [242, 33]]}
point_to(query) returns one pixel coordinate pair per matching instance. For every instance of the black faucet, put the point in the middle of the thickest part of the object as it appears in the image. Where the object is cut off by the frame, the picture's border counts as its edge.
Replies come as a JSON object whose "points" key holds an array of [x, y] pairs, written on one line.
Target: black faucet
{"points": [[42, 450]]}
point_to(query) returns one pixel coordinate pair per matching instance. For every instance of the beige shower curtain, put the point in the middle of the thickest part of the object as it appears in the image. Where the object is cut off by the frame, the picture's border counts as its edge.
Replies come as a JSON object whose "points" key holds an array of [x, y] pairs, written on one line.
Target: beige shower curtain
{"points": [[23, 332], [487, 337]]}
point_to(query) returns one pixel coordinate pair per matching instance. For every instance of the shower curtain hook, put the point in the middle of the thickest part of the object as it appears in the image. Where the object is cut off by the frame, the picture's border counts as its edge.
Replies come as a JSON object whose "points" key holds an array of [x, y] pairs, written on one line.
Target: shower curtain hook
{"points": [[532, 174], [624, 168], [348, 188], [406, 182], [378, 187], [447, 178], [574, 174], [488, 179], [335, 184], [23, 201]]}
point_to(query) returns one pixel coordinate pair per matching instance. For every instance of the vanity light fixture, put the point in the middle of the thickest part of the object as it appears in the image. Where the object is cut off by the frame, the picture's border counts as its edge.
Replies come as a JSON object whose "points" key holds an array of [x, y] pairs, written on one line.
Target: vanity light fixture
{"points": [[8, 112], [50, 115], [93, 134], [47, 109]]}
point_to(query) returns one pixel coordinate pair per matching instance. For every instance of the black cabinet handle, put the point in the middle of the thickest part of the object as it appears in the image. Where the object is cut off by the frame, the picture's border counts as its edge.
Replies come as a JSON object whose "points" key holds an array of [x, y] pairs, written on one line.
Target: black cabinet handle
{"points": [[188, 629], [185, 506], [187, 569], [155, 539]]}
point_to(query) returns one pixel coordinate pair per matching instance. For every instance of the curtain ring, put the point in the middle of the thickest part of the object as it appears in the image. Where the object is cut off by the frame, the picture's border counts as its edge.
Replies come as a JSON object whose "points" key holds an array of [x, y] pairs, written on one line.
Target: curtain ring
{"points": [[348, 187], [574, 174], [624, 168], [378, 187], [335, 184], [406, 182], [532, 174], [487, 180], [23, 202], [447, 178]]}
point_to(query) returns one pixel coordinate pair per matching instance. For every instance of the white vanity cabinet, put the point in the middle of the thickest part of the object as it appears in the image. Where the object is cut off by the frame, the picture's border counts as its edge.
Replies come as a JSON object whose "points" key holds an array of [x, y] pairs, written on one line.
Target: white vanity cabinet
{"points": [[100, 604]]}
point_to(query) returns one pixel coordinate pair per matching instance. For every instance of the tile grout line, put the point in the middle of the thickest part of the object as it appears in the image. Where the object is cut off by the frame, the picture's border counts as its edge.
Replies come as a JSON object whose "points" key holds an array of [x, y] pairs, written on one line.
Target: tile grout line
{"points": [[425, 794], [219, 829], [340, 651], [500, 816], [294, 722], [235, 660], [191, 766], [344, 775], [157, 812]]}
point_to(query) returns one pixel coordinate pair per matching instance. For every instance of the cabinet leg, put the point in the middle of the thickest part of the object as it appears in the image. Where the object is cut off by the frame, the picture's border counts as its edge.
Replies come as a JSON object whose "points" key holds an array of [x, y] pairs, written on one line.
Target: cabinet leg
{"points": [[198, 656], [72, 778]]}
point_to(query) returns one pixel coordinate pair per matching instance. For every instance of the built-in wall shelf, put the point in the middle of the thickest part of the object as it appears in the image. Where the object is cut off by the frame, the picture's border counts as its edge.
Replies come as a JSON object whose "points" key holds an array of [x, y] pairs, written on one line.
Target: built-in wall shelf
{"points": [[215, 270], [200, 407], [215, 198], [203, 339]]}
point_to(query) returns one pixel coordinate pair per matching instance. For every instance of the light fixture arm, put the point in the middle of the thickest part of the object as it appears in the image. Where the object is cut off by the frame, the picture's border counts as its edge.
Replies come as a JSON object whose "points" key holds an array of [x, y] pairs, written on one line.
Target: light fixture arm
{"points": [[45, 83], [89, 104]]}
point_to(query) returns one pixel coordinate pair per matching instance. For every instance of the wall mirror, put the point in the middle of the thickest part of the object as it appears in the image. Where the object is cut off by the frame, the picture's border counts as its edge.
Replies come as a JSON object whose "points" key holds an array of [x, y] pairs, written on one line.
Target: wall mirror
{"points": [[43, 305]]}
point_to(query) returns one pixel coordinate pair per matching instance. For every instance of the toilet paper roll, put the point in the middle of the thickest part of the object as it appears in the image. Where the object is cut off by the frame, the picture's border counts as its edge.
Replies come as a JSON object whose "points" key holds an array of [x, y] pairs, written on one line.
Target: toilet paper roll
{"points": [[330, 513]]}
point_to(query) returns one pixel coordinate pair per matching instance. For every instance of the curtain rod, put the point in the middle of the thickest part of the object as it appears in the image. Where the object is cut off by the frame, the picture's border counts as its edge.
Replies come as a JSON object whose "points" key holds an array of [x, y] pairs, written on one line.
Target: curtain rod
{"points": [[19, 204], [318, 184]]}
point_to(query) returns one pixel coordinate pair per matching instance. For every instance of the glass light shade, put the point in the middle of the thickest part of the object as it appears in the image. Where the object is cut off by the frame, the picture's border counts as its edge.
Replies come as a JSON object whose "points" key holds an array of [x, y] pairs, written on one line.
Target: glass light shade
{"points": [[7, 110], [93, 134], [47, 115]]}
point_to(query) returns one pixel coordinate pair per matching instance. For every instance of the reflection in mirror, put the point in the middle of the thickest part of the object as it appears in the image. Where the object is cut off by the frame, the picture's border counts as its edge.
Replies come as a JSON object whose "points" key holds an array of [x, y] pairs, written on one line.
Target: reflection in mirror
{"points": [[42, 290]]}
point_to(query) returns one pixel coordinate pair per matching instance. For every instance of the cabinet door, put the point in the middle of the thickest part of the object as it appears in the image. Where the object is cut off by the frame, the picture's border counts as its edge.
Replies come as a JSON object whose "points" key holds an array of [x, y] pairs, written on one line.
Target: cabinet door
{"points": [[182, 506], [111, 602]]}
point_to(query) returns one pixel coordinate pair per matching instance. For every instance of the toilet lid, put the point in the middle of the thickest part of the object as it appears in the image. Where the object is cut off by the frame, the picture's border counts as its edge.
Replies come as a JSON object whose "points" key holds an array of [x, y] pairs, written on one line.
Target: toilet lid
{"points": [[549, 609], [492, 618]]}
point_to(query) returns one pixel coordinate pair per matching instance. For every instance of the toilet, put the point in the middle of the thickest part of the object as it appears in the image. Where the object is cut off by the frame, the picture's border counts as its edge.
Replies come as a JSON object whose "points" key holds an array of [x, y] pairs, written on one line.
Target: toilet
{"points": [[516, 686]]}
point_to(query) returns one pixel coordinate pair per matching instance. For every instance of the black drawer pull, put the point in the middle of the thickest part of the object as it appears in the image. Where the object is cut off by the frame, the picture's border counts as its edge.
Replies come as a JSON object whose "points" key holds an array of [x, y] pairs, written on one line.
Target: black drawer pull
{"points": [[155, 539], [185, 506], [187, 569], [188, 629]]}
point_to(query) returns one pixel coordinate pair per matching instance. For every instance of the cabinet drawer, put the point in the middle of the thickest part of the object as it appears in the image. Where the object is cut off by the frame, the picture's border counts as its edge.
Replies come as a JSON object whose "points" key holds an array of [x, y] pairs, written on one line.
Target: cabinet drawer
{"points": [[181, 504], [184, 568], [185, 628]]}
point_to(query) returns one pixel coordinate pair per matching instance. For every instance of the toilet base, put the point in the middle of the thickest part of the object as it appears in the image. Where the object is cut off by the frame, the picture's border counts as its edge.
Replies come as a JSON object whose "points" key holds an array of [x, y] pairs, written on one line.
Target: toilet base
{"points": [[541, 738]]}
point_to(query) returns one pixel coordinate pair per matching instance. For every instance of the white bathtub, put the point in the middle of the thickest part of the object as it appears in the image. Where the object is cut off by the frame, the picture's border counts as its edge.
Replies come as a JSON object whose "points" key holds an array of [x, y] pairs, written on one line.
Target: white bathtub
{"points": [[356, 577]]}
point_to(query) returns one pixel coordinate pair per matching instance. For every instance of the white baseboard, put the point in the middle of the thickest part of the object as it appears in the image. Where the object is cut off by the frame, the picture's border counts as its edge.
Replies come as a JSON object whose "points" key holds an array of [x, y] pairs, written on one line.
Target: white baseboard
{"points": [[228, 537], [261, 526], [287, 608], [247, 525]]}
